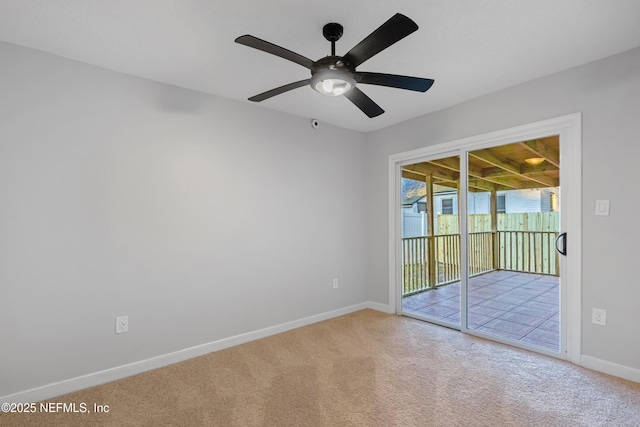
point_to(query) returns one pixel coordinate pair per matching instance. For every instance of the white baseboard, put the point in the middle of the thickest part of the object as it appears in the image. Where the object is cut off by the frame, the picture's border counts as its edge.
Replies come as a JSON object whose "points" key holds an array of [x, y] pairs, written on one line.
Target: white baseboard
{"points": [[74, 384], [385, 308], [68, 386], [631, 374]]}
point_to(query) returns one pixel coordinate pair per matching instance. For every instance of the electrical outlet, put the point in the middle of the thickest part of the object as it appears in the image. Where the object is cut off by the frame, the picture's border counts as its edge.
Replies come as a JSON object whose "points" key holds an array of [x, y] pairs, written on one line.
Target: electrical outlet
{"points": [[599, 317], [122, 324], [335, 283]]}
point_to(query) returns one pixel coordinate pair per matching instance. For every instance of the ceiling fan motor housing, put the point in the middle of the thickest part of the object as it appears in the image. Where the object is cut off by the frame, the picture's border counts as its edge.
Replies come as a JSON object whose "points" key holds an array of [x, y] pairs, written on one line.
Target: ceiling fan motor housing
{"points": [[332, 63], [332, 31]]}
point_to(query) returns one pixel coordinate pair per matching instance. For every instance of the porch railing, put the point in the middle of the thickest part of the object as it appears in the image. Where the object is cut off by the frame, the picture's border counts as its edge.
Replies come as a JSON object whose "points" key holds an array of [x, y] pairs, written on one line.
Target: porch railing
{"points": [[524, 251]]}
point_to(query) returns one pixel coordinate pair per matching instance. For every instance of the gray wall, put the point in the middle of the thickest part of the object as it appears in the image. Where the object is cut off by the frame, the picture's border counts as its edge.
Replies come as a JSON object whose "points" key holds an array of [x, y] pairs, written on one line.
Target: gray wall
{"points": [[121, 196], [607, 92]]}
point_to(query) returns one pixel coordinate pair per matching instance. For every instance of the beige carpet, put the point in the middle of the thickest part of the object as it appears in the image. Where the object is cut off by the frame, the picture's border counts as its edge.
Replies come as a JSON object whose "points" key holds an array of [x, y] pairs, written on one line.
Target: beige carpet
{"points": [[363, 369]]}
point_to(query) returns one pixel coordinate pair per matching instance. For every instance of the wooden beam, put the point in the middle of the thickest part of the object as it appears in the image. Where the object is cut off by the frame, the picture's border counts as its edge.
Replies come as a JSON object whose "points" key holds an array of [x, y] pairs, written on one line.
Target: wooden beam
{"points": [[479, 185], [452, 183], [526, 169], [451, 163], [484, 185], [495, 178], [437, 173], [489, 171], [545, 167], [540, 149], [412, 175], [477, 179], [488, 156]]}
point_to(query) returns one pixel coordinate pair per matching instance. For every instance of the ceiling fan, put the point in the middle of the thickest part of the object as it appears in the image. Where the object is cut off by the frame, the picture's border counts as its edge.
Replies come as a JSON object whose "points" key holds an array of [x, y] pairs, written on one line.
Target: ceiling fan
{"points": [[336, 75]]}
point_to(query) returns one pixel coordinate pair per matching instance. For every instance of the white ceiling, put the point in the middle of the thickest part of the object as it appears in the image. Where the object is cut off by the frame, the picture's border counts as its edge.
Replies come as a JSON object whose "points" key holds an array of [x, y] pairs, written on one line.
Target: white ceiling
{"points": [[470, 47]]}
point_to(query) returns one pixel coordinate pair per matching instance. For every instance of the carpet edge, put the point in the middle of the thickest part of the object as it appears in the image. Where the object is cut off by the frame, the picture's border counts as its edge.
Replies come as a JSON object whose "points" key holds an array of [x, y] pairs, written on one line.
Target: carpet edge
{"points": [[59, 388]]}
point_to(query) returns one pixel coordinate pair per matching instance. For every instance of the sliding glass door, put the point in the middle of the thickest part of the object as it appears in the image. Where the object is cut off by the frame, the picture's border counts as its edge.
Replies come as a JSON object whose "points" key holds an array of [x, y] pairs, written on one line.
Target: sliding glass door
{"points": [[513, 221], [431, 240], [508, 197]]}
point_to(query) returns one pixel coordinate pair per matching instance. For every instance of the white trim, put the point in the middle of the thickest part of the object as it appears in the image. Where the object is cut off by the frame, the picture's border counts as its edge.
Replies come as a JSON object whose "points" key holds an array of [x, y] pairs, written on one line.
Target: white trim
{"points": [[394, 200], [626, 372], [523, 132], [68, 386], [569, 128], [396, 161], [385, 308], [571, 161], [463, 224]]}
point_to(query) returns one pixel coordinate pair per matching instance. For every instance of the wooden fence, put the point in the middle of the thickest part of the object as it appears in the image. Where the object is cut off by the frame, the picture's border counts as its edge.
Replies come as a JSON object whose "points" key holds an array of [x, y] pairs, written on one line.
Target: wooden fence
{"points": [[523, 221], [415, 265], [528, 251], [518, 250]]}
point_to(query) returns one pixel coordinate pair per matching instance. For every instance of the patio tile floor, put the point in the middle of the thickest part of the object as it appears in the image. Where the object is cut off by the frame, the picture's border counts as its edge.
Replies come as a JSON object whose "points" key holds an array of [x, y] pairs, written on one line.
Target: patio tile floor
{"points": [[518, 306]]}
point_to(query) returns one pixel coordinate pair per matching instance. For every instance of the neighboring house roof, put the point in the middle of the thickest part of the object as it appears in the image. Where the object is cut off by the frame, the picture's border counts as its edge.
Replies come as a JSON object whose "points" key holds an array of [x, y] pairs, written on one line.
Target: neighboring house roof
{"points": [[411, 200]]}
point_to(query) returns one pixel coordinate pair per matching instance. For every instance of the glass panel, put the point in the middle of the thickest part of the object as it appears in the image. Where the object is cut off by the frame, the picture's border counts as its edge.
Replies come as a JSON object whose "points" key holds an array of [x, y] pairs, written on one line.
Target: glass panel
{"points": [[513, 219], [431, 241]]}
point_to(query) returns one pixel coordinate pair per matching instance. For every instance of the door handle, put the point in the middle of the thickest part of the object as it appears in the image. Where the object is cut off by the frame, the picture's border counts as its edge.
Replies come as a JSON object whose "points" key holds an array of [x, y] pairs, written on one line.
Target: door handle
{"points": [[562, 236]]}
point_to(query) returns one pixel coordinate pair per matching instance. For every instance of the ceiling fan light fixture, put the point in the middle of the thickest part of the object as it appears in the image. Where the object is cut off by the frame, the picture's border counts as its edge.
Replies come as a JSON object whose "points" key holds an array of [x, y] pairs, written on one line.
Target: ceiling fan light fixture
{"points": [[332, 82], [534, 161]]}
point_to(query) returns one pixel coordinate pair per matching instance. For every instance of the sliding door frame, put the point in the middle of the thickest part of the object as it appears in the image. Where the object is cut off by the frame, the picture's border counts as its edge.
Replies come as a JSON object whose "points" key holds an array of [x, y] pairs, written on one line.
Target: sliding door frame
{"points": [[569, 130]]}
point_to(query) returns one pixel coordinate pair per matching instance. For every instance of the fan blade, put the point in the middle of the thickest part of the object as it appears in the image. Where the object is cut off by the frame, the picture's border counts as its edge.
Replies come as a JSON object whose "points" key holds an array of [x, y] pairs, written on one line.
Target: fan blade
{"points": [[277, 91], [392, 80], [392, 31], [273, 49], [364, 103]]}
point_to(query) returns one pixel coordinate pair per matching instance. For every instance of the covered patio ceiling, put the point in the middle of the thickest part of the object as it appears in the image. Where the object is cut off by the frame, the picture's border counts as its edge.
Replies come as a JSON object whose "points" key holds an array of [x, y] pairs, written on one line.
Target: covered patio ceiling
{"points": [[496, 169]]}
